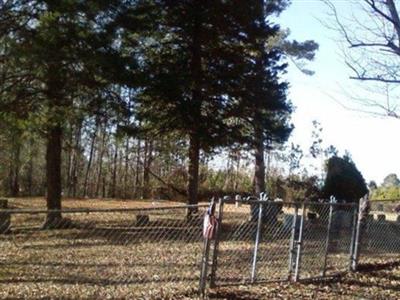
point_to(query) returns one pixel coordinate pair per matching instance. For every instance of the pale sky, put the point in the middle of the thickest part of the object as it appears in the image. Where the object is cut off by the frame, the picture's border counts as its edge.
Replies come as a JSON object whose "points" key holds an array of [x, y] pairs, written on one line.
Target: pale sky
{"points": [[372, 141]]}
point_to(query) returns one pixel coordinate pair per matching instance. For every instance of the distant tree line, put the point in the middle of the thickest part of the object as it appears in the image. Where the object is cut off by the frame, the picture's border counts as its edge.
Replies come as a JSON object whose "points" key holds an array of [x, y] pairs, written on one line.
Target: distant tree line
{"points": [[388, 190]]}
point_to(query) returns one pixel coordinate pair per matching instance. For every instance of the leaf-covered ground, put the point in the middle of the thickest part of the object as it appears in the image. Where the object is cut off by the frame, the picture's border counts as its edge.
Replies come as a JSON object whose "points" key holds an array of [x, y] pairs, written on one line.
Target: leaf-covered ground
{"points": [[381, 281]]}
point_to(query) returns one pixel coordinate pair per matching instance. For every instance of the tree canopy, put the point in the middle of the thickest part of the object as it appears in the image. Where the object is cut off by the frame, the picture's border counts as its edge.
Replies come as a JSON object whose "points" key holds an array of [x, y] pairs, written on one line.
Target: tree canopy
{"points": [[343, 180]]}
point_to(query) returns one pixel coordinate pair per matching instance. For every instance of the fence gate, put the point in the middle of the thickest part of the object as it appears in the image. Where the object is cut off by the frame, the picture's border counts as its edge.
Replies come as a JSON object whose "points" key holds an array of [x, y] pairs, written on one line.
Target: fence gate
{"points": [[254, 242], [264, 241], [325, 239]]}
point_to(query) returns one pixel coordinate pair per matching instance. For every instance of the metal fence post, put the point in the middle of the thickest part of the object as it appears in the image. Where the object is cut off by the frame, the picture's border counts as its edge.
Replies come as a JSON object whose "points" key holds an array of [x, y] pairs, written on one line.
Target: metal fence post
{"points": [[328, 234], [206, 254], [216, 243], [257, 241], [299, 244], [292, 250], [353, 236], [204, 265], [362, 210]]}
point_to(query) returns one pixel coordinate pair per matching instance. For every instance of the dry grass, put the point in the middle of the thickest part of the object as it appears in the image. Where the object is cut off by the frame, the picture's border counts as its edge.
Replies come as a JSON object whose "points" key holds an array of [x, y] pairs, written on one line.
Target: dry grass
{"points": [[104, 255], [40, 203]]}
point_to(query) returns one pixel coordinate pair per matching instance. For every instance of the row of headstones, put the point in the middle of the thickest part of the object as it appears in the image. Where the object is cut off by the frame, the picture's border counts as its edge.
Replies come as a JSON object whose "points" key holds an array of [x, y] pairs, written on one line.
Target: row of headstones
{"points": [[340, 220], [5, 218], [379, 218]]}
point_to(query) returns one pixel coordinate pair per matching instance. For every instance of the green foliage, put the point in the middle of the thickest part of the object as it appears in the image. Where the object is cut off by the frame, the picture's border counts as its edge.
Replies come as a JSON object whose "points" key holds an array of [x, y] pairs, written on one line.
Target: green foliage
{"points": [[383, 193], [263, 106], [294, 188], [190, 61], [343, 180], [172, 77], [390, 188]]}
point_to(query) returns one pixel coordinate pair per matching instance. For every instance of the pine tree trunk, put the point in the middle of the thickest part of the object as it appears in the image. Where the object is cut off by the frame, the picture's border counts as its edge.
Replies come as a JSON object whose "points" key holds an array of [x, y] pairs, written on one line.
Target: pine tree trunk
{"points": [[126, 168], [193, 170], [100, 161], [70, 160], [85, 185], [73, 177], [119, 174], [30, 167], [114, 173], [15, 168], [194, 141], [259, 172], [137, 170], [148, 148], [53, 174], [259, 168]]}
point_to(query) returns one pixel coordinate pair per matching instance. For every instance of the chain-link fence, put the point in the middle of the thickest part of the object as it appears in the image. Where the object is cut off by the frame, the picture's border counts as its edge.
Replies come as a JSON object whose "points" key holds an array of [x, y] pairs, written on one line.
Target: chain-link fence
{"points": [[161, 251], [380, 233], [118, 253], [262, 241]]}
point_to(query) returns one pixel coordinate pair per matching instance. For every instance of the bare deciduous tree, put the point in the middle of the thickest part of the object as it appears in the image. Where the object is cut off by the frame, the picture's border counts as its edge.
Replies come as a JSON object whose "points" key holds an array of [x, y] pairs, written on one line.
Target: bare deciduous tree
{"points": [[370, 30]]}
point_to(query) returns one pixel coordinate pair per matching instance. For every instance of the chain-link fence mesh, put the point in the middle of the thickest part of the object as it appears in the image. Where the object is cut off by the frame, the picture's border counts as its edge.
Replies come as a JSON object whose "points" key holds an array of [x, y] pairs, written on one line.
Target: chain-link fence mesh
{"points": [[313, 240], [97, 254], [236, 245], [341, 238], [380, 233], [157, 251], [274, 249], [295, 240]]}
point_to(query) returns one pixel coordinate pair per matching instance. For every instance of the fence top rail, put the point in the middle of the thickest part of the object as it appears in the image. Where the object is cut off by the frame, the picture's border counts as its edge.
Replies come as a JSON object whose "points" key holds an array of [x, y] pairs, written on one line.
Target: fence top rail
{"points": [[287, 203], [384, 200], [100, 210]]}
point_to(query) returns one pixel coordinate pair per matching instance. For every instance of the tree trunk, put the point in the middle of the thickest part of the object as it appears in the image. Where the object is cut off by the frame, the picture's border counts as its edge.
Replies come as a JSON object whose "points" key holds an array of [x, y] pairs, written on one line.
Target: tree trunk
{"points": [[137, 170], [73, 177], [70, 159], [193, 170], [259, 168], [114, 173], [148, 149], [53, 174], [194, 141], [30, 166], [85, 185], [259, 172], [15, 167], [100, 161], [126, 167]]}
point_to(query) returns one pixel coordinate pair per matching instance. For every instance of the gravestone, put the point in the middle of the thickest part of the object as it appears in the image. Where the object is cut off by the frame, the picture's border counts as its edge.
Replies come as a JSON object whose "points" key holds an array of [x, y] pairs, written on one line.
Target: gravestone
{"points": [[5, 218], [341, 220], [238, 200], [288, 224], [381, 218]]}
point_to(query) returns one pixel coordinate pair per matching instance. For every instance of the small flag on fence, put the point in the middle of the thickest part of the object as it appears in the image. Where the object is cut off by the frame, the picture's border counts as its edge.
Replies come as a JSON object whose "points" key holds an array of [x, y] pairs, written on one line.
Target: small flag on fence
{"points": [[210, 223]]}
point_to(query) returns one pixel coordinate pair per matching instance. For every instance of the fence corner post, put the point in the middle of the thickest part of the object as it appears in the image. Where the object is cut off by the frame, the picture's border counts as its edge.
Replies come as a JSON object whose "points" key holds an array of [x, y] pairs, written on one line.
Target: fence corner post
{"points": [[299, 244], [292, 251], [216, 243], [257, 241], [332, 201], [205, 254], [363, 209]]}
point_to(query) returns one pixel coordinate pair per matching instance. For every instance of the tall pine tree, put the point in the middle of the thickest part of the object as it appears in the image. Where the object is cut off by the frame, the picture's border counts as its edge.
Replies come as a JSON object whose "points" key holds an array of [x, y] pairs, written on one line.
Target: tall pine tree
{"points": [[191, 63], [67, 54]]}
